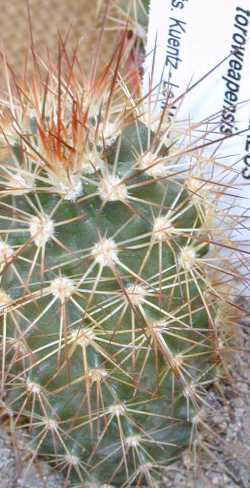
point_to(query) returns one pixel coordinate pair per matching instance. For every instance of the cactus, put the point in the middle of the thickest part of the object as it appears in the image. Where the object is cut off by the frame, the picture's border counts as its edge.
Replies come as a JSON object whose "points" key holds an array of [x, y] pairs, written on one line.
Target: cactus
{"points": [[136, 9], [114, 277]]}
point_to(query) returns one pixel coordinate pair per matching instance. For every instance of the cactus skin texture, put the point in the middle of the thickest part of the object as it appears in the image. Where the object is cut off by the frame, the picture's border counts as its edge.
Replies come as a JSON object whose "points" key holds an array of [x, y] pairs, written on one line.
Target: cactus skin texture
{"points": [[111, 282]]}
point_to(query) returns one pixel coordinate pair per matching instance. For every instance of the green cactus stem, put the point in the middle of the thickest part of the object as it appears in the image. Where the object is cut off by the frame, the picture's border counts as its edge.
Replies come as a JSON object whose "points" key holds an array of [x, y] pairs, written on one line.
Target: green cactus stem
{"points": [[110, 281]]}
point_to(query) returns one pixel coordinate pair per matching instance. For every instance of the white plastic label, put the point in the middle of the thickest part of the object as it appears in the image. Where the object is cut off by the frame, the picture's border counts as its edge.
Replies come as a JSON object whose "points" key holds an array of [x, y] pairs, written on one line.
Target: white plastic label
{"points": [[188, 39]]}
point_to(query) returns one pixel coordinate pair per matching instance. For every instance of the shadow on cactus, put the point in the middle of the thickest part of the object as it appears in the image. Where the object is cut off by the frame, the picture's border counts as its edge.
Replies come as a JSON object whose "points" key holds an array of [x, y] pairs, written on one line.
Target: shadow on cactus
{"points": [[113, 276]]}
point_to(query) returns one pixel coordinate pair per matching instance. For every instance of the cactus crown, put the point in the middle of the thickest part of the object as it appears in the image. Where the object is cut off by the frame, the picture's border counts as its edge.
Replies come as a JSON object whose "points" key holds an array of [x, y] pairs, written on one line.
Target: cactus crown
{"points": [[113, 277]]}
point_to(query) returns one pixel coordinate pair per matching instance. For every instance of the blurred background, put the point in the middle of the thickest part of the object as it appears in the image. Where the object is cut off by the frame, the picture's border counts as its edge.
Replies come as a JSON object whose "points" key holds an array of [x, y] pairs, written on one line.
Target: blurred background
{"points": [[77, 18]]}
